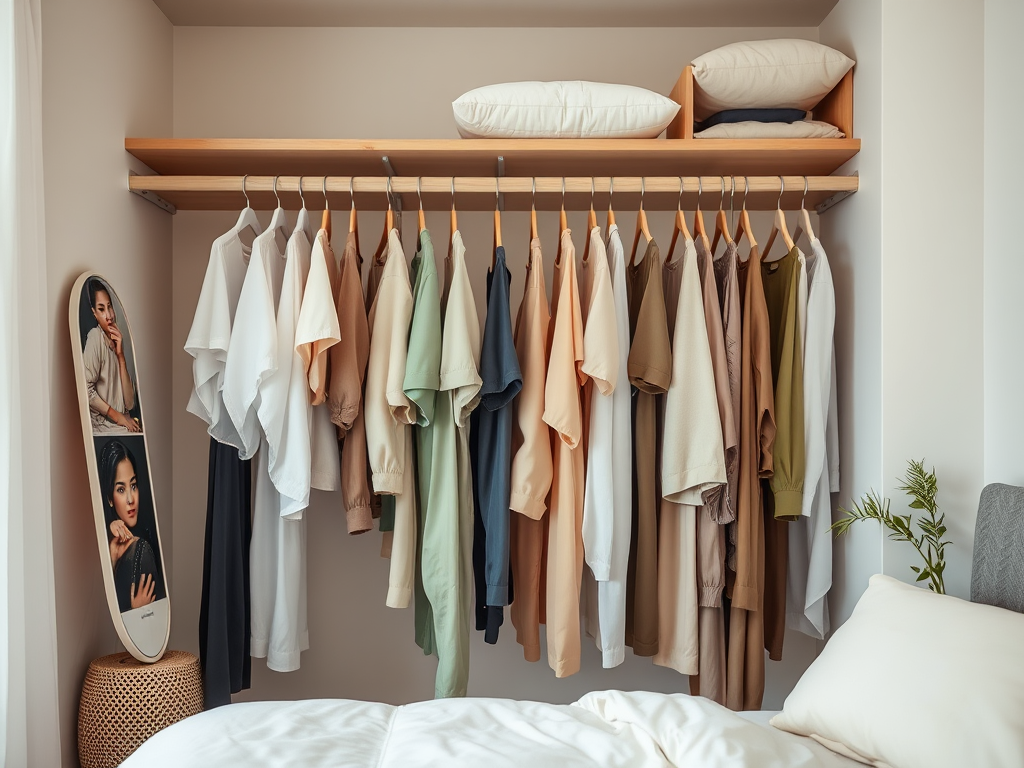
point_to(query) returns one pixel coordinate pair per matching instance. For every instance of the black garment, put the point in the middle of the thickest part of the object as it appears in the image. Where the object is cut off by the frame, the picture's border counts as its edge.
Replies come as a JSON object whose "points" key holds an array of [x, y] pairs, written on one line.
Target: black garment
{"points": [[224, 613], [491, 453], [136, 561], [751, 115]]}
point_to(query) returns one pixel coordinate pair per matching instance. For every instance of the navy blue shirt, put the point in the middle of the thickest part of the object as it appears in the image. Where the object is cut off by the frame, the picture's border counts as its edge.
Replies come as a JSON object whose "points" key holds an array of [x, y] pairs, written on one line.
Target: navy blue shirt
{"points": [[491, 453]]}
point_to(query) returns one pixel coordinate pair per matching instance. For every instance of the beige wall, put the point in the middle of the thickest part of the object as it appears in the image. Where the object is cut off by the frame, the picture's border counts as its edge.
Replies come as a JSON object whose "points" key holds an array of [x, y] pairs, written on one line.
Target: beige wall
{"points": [[106, 75], [397, 83]]}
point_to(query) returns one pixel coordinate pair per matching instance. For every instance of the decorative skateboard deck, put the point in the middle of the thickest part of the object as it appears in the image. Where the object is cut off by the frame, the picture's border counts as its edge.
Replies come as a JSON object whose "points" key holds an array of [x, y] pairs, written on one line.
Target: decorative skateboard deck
{"points": [[123, 504]]}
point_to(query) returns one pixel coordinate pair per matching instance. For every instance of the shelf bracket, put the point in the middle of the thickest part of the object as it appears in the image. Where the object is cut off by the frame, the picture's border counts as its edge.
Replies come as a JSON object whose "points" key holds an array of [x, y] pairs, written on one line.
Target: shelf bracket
{"points": [[501, 174], [833, 200], [396, 200], [152, 197]]}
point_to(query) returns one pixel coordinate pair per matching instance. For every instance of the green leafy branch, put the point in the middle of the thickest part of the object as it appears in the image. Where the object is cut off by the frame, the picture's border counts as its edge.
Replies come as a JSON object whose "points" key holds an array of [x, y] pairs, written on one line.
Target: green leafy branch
{"points": [[922, 487]]}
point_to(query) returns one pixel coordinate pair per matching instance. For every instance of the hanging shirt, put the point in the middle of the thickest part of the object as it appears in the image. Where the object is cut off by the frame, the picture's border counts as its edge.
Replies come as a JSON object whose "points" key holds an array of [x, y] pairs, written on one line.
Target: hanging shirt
{"points": [[348, 360], [284, 409], [453, 496], [745, 664], [606, 598], [727, 283], [782, 284], [389, 412], [692, 470], [210, 334], [810, 542], [531, 462], [492, 452], [564, 414], [316, 333], [252, 351], [650, 372], [712, 517]]}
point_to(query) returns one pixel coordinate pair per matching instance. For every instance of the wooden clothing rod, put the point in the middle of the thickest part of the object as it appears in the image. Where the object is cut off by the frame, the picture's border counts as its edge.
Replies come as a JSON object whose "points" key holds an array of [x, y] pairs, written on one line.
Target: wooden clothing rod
{"points": [[479, 193]]}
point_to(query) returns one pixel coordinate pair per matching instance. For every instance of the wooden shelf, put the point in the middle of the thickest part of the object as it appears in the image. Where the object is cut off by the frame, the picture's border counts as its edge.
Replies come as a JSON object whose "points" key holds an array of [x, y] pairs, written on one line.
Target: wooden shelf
{"points": [[479, 157]]}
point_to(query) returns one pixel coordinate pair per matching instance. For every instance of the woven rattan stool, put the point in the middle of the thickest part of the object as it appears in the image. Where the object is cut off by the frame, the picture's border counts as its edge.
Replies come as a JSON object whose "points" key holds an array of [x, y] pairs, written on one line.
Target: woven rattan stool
{"points": [[124, 702]]}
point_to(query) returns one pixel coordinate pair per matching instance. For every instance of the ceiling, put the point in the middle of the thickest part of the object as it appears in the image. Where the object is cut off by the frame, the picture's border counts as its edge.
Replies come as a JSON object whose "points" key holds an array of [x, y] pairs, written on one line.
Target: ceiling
{"points": [[496, 13]]}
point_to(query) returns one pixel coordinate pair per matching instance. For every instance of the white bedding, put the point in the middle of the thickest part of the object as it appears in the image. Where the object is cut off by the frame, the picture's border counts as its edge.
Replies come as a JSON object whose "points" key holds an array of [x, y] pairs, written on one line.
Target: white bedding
{"points": [[611, 729]]}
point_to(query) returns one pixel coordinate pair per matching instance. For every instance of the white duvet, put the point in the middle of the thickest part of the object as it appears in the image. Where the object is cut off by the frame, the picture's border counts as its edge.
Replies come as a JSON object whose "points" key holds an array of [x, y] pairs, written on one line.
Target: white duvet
{"points": [[611, 729]]}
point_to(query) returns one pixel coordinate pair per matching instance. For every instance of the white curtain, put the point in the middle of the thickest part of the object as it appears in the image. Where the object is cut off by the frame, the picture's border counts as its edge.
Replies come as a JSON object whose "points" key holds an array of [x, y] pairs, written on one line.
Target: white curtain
{"points": [[28, 660]]}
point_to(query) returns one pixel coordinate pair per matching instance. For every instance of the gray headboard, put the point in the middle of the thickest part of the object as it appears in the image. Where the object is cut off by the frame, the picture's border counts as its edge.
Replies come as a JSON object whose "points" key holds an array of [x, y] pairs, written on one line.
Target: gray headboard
{"points": [[997, 574]]}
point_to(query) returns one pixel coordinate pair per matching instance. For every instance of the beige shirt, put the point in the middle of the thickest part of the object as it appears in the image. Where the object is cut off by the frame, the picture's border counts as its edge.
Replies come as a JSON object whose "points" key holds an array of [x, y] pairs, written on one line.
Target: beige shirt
{"points": [[531, 462], [348, 360], [388, 415], [563, 412]]}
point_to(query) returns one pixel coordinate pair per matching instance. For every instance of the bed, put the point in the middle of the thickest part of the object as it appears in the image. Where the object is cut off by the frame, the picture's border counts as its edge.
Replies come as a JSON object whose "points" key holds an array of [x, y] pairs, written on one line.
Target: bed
{"points": [[610, 728]]}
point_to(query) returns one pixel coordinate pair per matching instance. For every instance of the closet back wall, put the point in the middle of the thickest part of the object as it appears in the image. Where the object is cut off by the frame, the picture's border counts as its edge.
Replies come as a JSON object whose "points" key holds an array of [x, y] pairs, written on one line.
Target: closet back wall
{"points": [[392, 83]]}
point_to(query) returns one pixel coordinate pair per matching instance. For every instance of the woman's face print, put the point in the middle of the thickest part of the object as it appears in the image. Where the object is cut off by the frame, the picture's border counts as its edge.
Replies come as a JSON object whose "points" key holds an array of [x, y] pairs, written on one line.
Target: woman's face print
{"points": [[103, 311], [126, 494]]}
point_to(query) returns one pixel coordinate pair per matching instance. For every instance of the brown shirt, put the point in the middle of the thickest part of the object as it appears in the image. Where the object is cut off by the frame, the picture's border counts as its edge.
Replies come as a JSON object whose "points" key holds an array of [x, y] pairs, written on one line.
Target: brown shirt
{"points": [[650, 371], [345, 386], [727, 282]]}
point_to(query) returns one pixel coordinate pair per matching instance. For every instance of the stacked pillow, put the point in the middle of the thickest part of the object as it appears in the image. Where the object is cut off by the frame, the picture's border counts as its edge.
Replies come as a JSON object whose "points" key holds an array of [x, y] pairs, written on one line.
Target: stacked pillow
{"points": [[768, 75]]}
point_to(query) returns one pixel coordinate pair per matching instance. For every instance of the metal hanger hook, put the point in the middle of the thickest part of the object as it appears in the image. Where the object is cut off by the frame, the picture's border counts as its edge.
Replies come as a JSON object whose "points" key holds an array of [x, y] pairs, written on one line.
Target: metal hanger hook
{"points": [[453, 193], [327, 203], [592, 190], [642, 193], [679, 204], [721, 203], [611, 190], [351, 191], [533, 191], [389, 192], [497, 195], [802, 199], [419, 191], [244, 193], [563, 193], [700, 189], [782, 181], [275, 192], [746, 188], [301, 196]]}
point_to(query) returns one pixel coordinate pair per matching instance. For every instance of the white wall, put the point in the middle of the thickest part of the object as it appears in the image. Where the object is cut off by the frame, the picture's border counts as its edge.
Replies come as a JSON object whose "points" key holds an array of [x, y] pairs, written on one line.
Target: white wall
{"points": [[1004, 268], [390, 83], [852, 235], [106, 75]]}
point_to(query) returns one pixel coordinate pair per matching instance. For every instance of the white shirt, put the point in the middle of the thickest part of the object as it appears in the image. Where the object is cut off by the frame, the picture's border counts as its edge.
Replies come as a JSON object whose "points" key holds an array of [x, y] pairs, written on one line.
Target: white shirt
{"points": [[284, 408], [606, 599], [316, 332], [810, 542], [693, 466], [210, 334], [252, 352]]}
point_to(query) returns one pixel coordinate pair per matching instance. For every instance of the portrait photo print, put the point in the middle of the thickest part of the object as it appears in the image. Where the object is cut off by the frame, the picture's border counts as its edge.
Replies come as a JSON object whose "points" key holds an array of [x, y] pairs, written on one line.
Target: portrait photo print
{"points": [[108, 360]]}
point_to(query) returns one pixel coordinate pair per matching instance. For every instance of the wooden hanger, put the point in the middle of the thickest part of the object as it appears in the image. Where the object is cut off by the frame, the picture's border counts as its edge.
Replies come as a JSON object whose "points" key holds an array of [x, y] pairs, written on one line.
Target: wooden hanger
{"points": [[247, 218], [778, 226], [353, 218], [680, 224], [591, 222], [325, 220], [641, 226], [497, 225], [563, 225], [805, 225], [721, 223], [744, 227], [611, 213], [533, 210], [419, 194], [389, 222], [454, 223], [698, 221]]}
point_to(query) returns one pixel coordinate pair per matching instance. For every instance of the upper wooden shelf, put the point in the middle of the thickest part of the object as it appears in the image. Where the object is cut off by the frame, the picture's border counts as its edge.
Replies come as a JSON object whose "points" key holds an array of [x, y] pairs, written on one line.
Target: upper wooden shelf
{"points": [[479, 157]]}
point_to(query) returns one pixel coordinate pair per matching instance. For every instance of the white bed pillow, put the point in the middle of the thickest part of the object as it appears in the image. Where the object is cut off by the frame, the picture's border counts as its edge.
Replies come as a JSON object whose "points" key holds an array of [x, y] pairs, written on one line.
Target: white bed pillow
{"points": [[917, 680], [571, 109], [766, 74], [750, 129]]}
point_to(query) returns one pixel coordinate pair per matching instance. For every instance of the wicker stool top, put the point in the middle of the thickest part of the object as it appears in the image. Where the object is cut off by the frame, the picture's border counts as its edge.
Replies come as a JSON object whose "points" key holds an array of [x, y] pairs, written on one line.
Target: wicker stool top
{"points": [[125, 663]]}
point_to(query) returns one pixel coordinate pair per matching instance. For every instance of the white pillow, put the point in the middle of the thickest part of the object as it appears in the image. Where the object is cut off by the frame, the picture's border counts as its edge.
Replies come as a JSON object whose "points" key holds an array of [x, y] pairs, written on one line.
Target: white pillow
{"points": [[750, 129], [766, 74], [571, 109], [917, 680]]}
